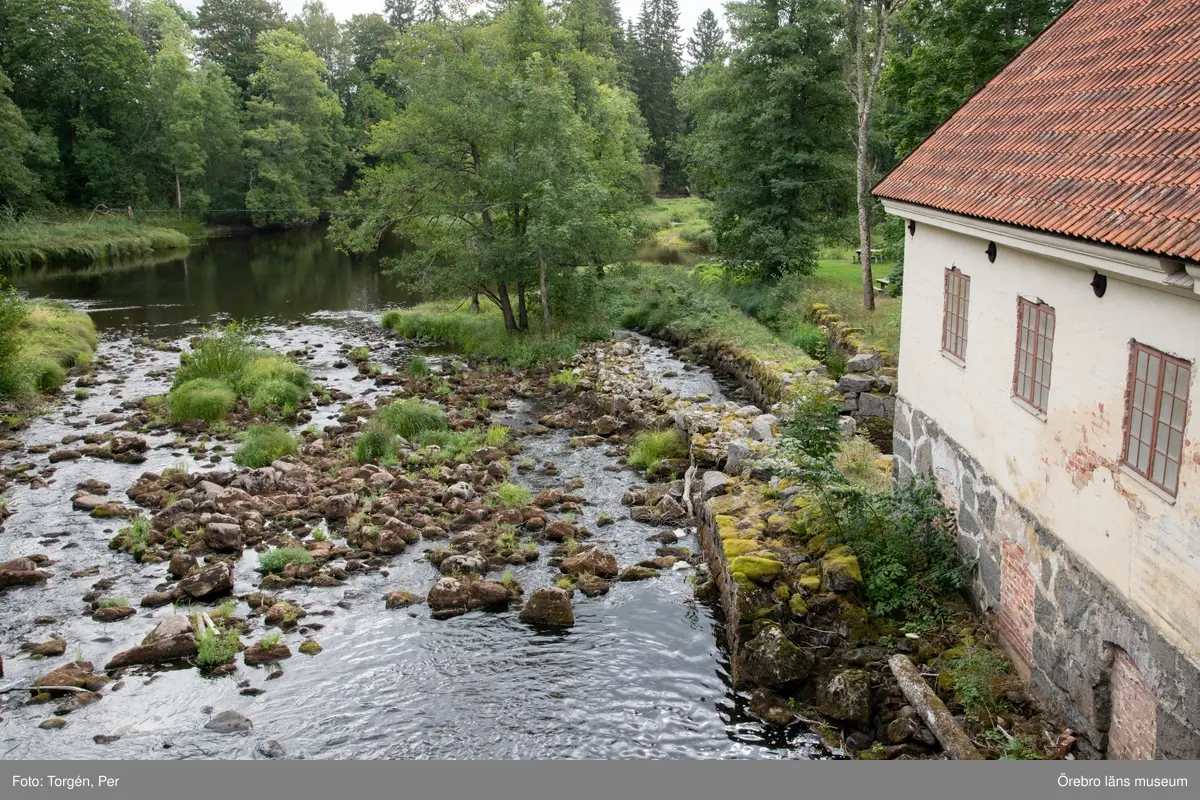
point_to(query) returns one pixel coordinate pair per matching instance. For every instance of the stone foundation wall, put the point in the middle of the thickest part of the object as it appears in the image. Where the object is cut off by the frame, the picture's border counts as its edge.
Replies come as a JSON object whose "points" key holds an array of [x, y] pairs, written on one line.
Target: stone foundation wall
{"points": [[1094, 658]]}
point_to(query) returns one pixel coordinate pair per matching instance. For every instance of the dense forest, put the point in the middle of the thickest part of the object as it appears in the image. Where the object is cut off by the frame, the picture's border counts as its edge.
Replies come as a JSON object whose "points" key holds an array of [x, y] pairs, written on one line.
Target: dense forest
{"points": [[509, 133]]}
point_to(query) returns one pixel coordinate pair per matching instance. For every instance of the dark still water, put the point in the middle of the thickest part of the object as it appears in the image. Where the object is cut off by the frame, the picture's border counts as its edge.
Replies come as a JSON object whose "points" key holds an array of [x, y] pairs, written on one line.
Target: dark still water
{"points": [[280, 276]]}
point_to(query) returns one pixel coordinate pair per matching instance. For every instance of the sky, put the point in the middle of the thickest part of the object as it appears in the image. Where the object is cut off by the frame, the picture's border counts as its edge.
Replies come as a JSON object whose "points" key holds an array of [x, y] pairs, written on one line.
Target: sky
{"points": [[344, 9]]}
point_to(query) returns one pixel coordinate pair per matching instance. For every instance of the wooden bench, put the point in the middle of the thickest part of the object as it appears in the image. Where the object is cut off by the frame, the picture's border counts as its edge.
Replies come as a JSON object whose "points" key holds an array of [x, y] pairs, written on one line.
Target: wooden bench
{"points": [[882, 284], [874, 254]]}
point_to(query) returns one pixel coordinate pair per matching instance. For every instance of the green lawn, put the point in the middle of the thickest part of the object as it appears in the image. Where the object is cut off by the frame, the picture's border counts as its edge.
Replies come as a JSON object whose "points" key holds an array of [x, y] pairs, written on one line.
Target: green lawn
{"points": [[679, 221], [838, 284]]}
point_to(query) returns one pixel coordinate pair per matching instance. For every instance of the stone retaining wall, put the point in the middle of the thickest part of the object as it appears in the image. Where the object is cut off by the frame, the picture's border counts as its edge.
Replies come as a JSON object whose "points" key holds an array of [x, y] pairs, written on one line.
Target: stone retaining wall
{"points": [[869, 385], [1091, 655]]}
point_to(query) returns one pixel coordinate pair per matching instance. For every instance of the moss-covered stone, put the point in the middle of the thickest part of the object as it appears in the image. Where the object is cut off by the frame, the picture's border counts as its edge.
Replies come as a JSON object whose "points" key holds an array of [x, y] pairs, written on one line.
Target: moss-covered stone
{"points": [[739, 547], [798, 607], [770, 659], [728, 505], [782, 592], [726, 526], [840, 571], [809, 582], [756, 568], [777, 524]]}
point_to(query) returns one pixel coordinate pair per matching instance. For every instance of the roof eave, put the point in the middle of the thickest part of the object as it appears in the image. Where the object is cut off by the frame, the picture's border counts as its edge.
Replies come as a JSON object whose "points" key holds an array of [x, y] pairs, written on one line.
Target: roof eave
{"points": [[1158, 272]]}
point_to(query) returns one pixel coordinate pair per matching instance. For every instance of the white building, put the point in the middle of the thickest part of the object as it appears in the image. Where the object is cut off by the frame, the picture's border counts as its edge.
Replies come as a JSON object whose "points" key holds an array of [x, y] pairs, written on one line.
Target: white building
{"points": [[1048, 360]]}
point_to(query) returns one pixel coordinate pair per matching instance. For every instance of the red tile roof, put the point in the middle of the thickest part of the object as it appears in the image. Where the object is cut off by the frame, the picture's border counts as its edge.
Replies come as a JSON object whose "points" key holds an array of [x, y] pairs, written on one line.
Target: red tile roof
{"points": [[1092, 131]]}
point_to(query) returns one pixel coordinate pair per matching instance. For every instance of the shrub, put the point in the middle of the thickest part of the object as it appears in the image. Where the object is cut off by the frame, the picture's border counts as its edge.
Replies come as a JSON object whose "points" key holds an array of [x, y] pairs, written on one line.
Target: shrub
{"points": [[221, 354], [905, 544], [214, 649], [277, 393], [262, 444], [649, 448], [812, 428], [275, 560], [511, 495], [418, 367], [273, 368], [409, 418], [205, 399], [376, 443], [496, 435], [974, 675]]}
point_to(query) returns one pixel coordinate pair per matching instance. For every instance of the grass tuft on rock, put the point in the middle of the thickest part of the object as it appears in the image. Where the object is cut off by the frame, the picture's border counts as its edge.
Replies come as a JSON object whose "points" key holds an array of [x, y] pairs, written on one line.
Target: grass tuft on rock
{"points": [[263, 444], [277, 393], [215, 649], [39, 342], [274, 561], [376, 444], [206, 399], [649, 448], [410, 418], [511, 495]]}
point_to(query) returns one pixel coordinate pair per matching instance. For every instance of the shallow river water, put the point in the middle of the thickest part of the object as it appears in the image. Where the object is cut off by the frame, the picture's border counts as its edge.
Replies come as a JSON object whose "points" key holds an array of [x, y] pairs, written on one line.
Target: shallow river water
{"points": [[642, 674]]}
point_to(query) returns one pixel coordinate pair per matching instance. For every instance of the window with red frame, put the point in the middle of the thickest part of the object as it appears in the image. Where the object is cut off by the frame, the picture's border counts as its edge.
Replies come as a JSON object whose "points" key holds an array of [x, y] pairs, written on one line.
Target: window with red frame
{"points": [[1157, 411], [1035, 346], [957, 298]]}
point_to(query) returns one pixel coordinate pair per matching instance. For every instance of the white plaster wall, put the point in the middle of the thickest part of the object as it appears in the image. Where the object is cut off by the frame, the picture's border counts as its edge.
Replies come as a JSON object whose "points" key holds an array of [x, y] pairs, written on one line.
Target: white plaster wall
{"points": [[1064, 468]]}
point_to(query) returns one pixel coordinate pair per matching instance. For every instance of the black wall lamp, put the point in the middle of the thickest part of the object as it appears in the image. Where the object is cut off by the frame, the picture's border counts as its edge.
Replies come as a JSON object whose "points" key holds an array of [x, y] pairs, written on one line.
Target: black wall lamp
{"points": [[1099, 284], [912, 227], [991, 252]]}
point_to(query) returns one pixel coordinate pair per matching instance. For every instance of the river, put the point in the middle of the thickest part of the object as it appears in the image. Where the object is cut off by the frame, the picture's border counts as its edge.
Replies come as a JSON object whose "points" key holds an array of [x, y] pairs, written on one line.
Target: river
{"points": [[642, 674]]}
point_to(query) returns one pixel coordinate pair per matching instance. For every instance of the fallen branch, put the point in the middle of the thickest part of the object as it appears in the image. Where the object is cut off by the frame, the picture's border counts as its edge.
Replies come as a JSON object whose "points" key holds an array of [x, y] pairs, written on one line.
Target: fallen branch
{"points": [[933, 711]]}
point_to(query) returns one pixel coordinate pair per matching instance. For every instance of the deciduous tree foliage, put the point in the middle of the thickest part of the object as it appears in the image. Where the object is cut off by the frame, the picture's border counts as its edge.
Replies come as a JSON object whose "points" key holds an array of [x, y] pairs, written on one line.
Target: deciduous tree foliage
{"points": [[498, 173], [295, 147], [18, 183], [771, 144]]}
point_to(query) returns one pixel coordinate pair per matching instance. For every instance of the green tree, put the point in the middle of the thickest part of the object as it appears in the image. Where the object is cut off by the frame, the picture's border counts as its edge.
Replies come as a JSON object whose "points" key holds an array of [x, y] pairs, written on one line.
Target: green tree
{"points": [[154, 21], [707, 42], [17, 142], [229, 31], [367, 94], [401, 14], [945, 51], [295, 147], [78, 73], [492, 169], [770, 143], [656, 65], [323, 34]]}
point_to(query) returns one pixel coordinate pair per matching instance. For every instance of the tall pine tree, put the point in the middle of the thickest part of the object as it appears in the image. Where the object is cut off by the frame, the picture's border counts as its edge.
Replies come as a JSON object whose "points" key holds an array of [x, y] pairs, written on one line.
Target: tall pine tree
{"points": [[657, 64], [707, 42]]}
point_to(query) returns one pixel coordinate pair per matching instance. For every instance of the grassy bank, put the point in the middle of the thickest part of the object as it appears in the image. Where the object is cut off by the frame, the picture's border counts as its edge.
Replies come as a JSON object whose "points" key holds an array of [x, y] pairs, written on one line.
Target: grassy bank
{"points": [[679, 222], [34, 242], [482, 335], [39, 342]]}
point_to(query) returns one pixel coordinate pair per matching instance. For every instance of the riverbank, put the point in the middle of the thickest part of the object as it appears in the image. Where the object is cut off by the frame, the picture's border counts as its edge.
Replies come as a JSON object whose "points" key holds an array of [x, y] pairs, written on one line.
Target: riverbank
{"points": [[38, 242], [41, 342]]}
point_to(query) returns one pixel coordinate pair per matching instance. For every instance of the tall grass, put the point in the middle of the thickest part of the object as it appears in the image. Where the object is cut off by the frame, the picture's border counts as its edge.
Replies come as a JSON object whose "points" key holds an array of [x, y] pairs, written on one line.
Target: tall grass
{"points": [[482, 335], [200, 398], [263, 444], [649, 448], [410, 418], [32, 242], [39, 342]]}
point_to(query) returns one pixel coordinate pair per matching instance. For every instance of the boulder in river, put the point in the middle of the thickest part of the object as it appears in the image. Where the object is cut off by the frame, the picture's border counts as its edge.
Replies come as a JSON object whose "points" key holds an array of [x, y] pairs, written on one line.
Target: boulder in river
{"points": [[56, 646], [224, 537], [229, 722], [212, 580], [400, 599], [549, 605], [596, 561], [113, 613], [846, 696]]}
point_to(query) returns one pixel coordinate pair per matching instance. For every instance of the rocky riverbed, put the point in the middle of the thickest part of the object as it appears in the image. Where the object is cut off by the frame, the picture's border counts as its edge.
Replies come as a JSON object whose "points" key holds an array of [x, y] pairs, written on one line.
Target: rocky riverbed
{"points": [[426, 620]]}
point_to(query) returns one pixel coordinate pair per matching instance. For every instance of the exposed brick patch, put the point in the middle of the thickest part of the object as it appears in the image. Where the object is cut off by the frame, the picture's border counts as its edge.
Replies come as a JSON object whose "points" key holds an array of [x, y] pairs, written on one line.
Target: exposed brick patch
{"points": [[1133, 730], [1016, 600]]}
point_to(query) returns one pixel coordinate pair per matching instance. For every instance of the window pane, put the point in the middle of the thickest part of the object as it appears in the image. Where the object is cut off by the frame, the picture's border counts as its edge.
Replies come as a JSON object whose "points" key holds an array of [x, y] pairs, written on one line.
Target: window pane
{"points": [[1152, 374], [1139, 395], [1172, 480], [1144, 458], [1157, 473], [1181, 382], [1169, 376], [1142, 360], [1175, 445], [1177, 414]]}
